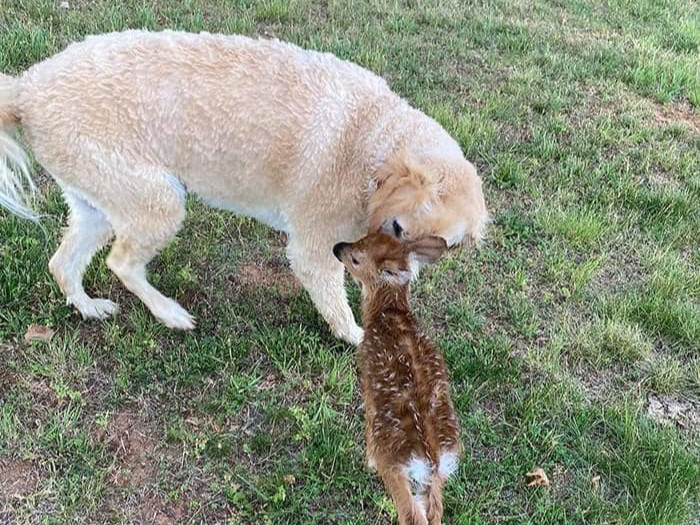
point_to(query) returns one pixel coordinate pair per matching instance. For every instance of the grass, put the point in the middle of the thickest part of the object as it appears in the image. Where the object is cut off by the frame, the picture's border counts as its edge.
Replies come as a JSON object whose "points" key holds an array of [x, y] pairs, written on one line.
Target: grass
{"points": [[582, 117]]}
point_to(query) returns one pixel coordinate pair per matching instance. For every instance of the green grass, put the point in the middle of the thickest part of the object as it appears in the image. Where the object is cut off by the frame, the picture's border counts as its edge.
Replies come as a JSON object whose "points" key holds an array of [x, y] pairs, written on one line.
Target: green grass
{"points": [[582, 117]]}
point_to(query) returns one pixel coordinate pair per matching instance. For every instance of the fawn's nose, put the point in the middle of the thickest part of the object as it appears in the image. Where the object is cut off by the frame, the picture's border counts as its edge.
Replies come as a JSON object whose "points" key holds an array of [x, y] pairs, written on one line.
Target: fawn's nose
{"points": [[338, 249]]}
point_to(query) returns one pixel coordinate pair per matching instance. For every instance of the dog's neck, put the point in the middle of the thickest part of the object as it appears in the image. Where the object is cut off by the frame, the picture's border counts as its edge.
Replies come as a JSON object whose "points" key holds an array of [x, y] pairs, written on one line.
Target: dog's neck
{"points": [[383, 299]]}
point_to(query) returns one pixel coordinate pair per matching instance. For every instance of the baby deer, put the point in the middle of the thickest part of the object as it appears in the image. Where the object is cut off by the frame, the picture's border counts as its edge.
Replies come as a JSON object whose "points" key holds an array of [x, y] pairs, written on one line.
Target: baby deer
{"points": [[410, 425]]}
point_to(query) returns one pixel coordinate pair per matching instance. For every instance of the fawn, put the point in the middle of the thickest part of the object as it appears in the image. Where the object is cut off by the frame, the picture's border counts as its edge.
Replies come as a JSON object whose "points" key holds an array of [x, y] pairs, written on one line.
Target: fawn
{"points": [[410, 424]]}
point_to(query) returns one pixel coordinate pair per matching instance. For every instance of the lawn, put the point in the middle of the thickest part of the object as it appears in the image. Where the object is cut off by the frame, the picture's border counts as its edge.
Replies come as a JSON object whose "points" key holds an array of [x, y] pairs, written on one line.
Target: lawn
{"points": [[572, 334]]}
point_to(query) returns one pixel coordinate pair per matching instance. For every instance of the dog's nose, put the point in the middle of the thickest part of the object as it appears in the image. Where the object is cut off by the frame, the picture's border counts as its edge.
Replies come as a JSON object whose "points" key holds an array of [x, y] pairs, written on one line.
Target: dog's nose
{"points": [[338, 248]]}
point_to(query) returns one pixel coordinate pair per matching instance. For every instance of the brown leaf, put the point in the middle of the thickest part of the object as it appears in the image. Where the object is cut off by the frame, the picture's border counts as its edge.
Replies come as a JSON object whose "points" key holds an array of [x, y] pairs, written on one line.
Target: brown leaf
{"points": [[538, 477], [37, 332]]}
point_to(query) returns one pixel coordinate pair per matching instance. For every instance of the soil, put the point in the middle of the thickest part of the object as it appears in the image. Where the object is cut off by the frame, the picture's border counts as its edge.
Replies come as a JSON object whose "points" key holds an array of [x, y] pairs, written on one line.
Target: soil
{"points": [[18, 478]]}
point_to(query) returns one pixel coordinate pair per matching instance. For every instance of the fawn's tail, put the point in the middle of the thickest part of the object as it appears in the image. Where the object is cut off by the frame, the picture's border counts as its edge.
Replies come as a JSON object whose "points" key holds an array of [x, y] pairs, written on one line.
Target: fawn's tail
{"points": [[16, 186]]}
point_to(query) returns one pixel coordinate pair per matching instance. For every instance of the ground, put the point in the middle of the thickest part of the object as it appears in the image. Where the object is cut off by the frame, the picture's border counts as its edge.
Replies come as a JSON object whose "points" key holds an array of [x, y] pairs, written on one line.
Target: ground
{"points": [[571, 335]]}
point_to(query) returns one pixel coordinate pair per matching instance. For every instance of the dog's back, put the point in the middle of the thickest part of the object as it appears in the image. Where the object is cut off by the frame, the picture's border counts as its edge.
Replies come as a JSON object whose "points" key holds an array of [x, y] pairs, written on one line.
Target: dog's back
{"points": [[199, 105]]}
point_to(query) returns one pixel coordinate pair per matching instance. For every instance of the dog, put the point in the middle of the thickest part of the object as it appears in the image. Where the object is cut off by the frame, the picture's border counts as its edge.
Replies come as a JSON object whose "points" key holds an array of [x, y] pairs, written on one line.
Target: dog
{"points": [[411, 428], [129, 123]]}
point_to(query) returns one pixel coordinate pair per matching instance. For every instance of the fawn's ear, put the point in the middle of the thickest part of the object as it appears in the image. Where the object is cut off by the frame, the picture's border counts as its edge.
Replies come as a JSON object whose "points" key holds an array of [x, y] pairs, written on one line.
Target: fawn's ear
{"points": [[426, 250], [396, 277]]}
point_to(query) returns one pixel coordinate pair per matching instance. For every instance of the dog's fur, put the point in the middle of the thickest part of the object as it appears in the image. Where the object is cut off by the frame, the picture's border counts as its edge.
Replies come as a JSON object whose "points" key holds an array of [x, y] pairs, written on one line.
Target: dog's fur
{"points": [[411, 427], [320, 148]]}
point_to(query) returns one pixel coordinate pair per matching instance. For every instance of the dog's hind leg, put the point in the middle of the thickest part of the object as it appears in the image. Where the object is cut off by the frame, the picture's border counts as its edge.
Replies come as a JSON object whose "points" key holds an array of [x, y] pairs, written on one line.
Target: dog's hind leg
{"points": [[88, 231], [146, 222]]}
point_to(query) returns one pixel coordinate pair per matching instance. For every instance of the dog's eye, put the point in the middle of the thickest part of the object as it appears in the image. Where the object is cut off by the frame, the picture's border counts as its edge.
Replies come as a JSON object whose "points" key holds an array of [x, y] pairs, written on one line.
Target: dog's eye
{"points": [[354, 261], [398, 230]]}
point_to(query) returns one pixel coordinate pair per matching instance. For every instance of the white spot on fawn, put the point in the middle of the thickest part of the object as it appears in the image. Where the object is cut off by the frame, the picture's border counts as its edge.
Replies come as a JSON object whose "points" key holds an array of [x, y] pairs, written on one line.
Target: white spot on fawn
{"points": [[418, 471], [448, 463]]}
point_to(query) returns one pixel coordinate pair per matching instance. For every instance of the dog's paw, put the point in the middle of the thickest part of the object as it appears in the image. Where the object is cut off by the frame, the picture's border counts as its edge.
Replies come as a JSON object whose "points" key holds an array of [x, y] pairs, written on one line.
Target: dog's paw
{"points": [[353, 336], [93, 308], [175, 316]]}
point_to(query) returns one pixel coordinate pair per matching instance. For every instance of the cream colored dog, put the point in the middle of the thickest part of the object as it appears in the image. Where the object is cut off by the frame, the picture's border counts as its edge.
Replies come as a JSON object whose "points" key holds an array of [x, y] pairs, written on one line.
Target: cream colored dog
{"points": [[128, 123]]}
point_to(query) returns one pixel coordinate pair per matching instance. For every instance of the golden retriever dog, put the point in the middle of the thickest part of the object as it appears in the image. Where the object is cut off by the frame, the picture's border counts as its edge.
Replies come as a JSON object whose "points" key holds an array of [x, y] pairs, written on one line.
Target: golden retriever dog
{"points": [[129, 123]]}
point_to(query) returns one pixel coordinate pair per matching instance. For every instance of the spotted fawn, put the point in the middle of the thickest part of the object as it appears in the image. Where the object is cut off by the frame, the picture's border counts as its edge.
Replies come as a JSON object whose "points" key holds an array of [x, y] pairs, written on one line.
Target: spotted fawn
{"points": [[411, 427]]}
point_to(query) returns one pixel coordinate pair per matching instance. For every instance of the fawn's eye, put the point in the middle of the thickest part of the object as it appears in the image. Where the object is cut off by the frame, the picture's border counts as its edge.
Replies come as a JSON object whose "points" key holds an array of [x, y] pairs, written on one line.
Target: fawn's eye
{"points": [[398, 230], [354, 261]]}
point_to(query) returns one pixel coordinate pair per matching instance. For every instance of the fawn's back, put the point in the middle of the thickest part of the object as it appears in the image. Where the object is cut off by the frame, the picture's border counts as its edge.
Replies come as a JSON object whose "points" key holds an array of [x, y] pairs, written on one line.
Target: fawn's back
{"points": [[410, 419]]}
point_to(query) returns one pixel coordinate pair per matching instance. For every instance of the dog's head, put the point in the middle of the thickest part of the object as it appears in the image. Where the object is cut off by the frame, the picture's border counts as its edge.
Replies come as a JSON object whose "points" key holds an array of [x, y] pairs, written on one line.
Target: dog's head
{"points": [[429, 194], [382, 259]]}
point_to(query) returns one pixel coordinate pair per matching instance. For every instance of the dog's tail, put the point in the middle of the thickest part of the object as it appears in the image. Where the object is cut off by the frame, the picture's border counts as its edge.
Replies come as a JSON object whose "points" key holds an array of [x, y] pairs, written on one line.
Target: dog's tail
{"points": [[17, 189]]}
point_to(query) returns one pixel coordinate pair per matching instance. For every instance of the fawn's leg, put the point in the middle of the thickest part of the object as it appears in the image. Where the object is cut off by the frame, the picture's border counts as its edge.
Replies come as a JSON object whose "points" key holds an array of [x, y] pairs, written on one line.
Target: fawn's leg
{"points": [[397, 484], [434, 500]]}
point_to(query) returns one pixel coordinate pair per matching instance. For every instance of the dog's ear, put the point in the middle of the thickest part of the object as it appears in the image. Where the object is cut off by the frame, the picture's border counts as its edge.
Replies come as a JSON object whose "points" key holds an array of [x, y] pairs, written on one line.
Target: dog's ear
{"points": [[401, 168], [401, 186], [427, 249], [395, 168]]}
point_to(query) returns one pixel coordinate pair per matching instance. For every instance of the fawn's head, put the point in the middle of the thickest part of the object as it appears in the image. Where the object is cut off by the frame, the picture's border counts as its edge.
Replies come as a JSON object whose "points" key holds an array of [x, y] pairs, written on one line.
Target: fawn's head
{"points": [[380, 259]]}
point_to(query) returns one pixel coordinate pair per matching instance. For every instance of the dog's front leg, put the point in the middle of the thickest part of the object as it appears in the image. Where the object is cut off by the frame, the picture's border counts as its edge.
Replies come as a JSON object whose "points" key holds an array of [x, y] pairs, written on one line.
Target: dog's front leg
{"points": [[323, 277]]}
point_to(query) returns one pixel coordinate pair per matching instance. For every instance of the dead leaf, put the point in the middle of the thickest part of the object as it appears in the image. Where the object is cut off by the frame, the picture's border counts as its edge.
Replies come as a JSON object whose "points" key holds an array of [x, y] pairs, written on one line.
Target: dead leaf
{"points": [[192, 421], [538, 478], [595, 483], [37, 332]]}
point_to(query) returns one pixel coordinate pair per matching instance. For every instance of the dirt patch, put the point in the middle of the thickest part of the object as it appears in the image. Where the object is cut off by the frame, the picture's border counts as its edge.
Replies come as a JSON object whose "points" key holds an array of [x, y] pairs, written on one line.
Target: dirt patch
{"points": [[677, 113], [618, 274], [41, 391], [674, 410], [8, 381], [18, 479], [148, 484], [152, 506], [593, 107], [196, 504], [662, 181], [131, 440], [157, 511], [268, 274]]}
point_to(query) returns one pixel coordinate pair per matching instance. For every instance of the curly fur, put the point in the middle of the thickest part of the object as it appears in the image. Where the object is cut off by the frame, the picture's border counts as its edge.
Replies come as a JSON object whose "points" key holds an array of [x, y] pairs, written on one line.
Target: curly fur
{"points": [[126, 123]]}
